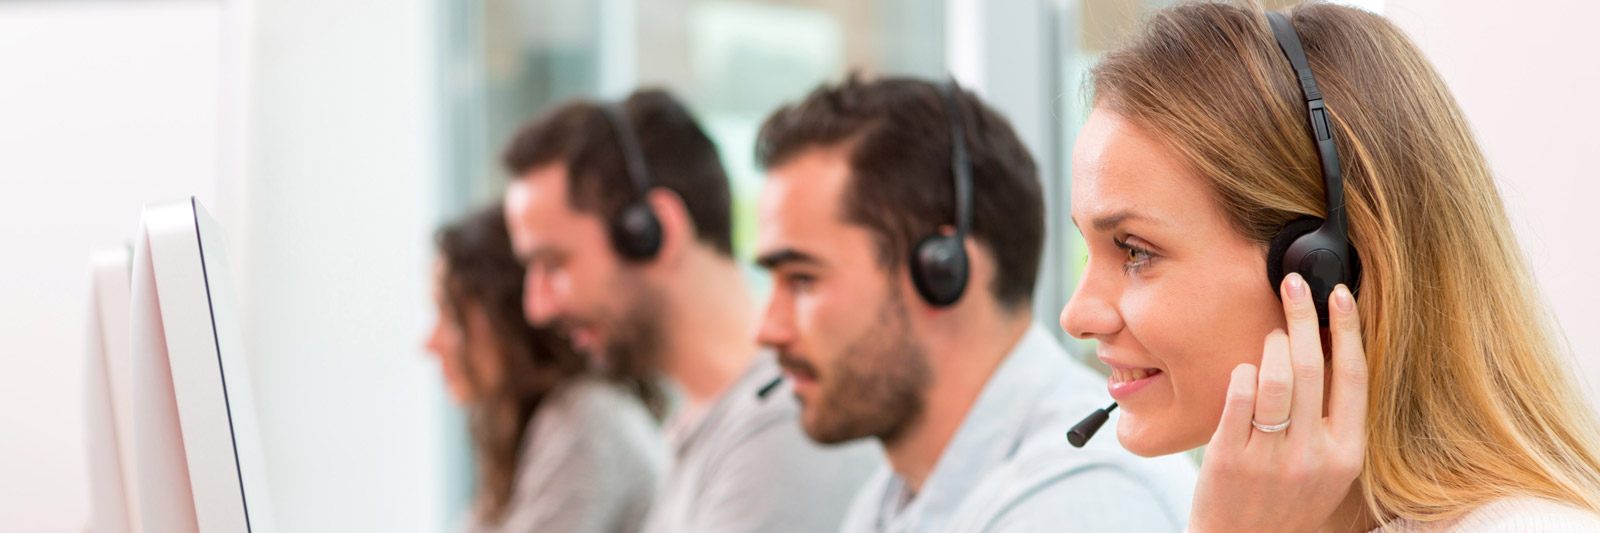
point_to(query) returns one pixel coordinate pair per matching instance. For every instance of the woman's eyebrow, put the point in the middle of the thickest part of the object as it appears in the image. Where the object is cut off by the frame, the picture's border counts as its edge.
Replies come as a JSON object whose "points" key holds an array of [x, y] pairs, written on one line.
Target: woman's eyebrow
{"points": [[1111, 221]]}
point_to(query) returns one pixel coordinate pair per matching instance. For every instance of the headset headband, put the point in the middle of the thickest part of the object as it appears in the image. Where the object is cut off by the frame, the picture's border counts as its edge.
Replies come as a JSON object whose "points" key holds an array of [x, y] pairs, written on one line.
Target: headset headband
{"points": [[960, 163], [1322, 128], [632, 154]]}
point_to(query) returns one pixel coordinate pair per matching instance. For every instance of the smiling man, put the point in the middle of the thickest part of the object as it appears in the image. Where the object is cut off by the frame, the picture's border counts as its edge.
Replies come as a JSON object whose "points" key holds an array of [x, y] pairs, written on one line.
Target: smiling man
{"points": [[670, 301], [970, 399]]}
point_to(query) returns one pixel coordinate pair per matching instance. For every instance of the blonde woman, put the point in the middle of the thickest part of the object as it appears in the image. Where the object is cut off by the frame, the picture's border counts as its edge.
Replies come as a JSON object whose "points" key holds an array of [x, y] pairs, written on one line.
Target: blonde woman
{"points": [[1438, 398]]}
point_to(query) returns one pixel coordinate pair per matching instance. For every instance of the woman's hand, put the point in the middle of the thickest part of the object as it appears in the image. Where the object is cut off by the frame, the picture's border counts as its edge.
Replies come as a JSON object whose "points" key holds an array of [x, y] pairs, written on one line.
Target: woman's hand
{"points": [[1294, 478]]}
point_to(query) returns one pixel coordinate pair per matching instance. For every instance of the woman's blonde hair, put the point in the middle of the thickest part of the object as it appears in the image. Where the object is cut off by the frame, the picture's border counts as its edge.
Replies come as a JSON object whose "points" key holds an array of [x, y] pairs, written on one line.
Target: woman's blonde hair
{"points": [[1471, 395]]}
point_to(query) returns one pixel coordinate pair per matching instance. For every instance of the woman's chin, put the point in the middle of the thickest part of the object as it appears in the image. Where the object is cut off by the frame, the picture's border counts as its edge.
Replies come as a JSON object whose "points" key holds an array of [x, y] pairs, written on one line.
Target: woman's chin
{"points": [[1146, 439]]}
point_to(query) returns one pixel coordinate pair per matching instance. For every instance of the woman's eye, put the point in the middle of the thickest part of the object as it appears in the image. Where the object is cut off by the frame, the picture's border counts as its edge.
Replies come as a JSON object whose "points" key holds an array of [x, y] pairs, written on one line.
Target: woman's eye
{"points": [[1138, 258]]}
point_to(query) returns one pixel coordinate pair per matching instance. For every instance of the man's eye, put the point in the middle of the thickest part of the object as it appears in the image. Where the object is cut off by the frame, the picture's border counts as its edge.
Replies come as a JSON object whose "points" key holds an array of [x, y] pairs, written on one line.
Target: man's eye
{"points": [[799, 281]]}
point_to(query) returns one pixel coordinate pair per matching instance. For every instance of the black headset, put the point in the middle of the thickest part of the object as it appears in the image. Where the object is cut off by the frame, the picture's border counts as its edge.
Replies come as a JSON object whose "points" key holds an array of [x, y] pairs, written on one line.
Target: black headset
{"points": [[938, 264], [1318, 249], [635, 232]]}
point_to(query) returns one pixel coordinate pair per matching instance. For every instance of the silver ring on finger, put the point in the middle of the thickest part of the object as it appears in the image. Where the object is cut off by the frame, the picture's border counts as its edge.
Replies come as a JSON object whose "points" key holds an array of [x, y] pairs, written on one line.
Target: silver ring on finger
{"points": [[1272, 428]]}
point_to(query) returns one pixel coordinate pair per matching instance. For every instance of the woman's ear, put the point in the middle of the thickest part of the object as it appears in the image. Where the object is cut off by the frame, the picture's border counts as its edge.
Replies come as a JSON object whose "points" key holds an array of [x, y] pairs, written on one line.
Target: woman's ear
{"points": [[677, 229]]}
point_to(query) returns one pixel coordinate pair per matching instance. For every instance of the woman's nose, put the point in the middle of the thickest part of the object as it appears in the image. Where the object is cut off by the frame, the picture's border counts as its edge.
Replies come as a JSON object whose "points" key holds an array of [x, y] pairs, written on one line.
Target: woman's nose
{"points": [[1090, 313]]}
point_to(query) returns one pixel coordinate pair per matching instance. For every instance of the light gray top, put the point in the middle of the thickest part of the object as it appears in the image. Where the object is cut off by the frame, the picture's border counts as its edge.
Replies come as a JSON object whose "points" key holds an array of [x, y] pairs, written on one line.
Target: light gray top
{"points": [[1009, 466], [747, 466], [590, 463], [1510, 515]]}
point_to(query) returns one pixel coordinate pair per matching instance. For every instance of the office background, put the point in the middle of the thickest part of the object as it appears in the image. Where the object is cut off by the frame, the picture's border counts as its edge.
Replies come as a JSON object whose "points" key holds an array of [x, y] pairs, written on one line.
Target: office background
{"points": [[329, 138]]}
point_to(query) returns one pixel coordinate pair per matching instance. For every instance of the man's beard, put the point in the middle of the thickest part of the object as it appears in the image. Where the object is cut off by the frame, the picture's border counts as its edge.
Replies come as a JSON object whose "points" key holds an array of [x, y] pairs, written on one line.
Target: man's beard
{"points": [[876, 387], [634, 347]]}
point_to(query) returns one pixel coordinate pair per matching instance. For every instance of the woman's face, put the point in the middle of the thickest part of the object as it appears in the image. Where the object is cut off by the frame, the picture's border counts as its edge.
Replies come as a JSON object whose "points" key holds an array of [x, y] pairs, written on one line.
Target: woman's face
{"points": [[1173, 295], [461, 348]]}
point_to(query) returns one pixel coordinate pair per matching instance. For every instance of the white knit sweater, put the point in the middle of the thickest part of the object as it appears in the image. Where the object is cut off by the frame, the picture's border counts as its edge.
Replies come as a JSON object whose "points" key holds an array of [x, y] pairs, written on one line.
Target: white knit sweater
{"points": [[1511, 515]]}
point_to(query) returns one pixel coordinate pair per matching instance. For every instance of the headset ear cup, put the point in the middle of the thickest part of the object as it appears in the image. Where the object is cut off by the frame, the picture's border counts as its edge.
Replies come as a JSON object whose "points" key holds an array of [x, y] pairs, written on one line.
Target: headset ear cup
{"points": [[1280, 245], [1355, 272], [636, 232], [939, 269]]}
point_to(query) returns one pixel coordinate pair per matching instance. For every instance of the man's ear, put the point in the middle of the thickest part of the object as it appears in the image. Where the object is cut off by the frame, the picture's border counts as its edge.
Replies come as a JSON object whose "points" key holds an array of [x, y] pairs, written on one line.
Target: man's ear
{"points": [[980, 269], [677, 229]]}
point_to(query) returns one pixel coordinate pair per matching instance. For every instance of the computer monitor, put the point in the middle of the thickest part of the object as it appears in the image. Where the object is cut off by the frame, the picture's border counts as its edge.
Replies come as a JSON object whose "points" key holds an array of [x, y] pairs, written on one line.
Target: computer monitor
{"points": [[196, 438], [107, 398]]}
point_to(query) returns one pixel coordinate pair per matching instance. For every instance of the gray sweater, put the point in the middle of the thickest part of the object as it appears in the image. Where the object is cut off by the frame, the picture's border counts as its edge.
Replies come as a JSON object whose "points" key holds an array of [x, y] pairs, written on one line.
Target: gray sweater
{"points": [[591, 462], [745, 466]]}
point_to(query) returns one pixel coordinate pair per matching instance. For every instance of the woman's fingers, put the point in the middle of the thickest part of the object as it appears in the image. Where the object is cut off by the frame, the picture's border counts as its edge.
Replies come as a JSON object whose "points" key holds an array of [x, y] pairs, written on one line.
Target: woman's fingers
{"points": [[1275, 385], [1305, 349], [1347, 401], [1257, 481], [1233, 431]]}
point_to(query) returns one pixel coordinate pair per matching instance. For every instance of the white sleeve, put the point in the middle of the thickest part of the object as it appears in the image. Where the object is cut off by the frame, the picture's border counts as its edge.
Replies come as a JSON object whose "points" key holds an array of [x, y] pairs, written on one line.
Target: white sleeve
{"points": [[1100, 499]]}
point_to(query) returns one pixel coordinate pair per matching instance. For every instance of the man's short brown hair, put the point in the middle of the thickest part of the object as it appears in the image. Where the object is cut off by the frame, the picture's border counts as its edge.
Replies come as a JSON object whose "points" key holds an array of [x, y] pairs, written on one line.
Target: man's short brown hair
{"points": [[901, 182], [679, 156]]}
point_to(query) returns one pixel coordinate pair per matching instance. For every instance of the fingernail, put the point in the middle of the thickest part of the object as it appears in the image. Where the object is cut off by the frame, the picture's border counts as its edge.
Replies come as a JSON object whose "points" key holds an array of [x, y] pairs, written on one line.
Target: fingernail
{"points": [[1342, 299], [1297, 287]]}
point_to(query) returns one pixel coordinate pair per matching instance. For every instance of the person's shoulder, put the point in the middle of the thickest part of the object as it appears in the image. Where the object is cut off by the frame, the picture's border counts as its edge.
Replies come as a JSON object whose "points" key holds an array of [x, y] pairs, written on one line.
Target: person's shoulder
{"points": [[592, 455], [1044, 455], [742, 413], [865, 504], [1106, 501], [1045, 476], [754, 469], [589, 412], [1092, 489], [1535, 507], [1509, 515], [1047, 479], [765, 433], [589, 396]]}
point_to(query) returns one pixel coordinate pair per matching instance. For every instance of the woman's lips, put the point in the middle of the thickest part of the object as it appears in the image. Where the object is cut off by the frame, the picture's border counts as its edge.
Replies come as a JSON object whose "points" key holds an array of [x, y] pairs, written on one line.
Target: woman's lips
{"points": [[1125, 382]]}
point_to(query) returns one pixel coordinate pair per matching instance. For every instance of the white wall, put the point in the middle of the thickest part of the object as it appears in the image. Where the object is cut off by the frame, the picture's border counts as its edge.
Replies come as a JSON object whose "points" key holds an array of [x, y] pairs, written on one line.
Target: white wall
{"points": [[1526, 76], [341, 192], [103, 108], [1004, 52], [308, 129]]}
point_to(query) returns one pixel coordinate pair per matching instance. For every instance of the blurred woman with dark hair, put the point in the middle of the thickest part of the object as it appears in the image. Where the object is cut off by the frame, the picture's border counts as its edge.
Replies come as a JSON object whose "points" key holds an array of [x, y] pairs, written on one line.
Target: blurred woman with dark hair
{"points": [[556, 447]]}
